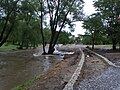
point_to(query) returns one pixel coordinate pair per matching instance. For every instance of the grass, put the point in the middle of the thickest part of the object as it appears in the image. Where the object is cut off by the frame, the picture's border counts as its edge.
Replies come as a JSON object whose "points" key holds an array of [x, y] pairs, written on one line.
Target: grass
{"points": [[9, 47], [109, 46], [103, 46]]}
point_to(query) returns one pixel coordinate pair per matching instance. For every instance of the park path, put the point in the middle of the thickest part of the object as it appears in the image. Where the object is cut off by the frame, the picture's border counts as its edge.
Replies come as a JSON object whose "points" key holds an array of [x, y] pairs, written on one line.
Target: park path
{"points": [[108, 80]]}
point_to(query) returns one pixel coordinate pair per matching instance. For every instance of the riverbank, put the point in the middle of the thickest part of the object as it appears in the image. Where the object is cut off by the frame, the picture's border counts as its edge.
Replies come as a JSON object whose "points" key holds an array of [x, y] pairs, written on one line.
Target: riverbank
{"points": [[56, 77], [17, 67]]}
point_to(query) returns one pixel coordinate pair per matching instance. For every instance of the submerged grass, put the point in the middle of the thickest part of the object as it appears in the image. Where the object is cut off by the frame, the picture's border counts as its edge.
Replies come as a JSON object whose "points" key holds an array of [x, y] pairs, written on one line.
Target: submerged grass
{"points": [[26, 85]]}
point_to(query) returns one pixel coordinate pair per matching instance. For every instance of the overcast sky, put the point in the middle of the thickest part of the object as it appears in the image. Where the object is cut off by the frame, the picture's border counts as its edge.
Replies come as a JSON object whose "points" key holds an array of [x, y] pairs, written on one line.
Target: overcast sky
{"points": [[88, 10]]}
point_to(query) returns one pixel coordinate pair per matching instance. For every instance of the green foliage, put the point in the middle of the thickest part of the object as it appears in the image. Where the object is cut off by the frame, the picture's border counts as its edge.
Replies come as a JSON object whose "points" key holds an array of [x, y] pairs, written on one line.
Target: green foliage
{"points": [[86, 39], [64, 38], [26, 30], [26, 34], [94, 28]]}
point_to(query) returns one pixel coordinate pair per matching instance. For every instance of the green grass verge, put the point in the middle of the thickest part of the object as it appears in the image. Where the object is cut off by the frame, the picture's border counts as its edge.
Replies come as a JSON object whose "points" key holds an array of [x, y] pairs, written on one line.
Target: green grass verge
{"points": [[26, 85], [9, 47], [103, 46]]}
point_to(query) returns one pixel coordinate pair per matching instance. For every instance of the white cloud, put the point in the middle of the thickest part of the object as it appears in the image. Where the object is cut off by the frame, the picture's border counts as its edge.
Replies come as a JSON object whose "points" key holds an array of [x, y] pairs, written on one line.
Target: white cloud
{"points": [[78, 29], [88, 10]]}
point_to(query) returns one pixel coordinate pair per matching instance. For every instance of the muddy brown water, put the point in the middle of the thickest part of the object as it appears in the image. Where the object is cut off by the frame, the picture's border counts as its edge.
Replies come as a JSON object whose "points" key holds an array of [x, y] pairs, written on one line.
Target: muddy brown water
{"points": [[21, 66]]}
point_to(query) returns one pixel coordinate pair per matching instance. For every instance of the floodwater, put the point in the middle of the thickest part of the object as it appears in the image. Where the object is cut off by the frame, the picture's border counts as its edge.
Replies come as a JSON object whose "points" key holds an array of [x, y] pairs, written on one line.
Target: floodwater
{"points": [[20, 66]]}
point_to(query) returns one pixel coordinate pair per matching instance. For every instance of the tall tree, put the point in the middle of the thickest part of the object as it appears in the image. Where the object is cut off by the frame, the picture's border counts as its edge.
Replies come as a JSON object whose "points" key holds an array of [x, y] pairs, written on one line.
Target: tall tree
{"points": [[110, 10], [62, 13], [57, 14], [94, 27]]}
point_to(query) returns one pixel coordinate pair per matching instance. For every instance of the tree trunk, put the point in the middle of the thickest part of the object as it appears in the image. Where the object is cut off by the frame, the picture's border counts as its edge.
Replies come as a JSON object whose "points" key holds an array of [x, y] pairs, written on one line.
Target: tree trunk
{"points": [[114, 44], [4, 39], [93, 40], [4, 36], [119, 45], [51, 50], [93, 44], [51, 47], [53, 25], [41, 25]]}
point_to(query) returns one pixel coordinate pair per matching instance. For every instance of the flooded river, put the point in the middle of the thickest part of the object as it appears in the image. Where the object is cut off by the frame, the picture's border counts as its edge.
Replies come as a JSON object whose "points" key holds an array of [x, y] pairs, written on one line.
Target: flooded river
{"points": [[20, 66]]}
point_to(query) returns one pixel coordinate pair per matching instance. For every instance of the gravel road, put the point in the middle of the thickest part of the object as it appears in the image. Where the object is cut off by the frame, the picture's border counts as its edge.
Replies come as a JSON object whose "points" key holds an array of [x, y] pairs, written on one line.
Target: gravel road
{"points": [[108, 80]]}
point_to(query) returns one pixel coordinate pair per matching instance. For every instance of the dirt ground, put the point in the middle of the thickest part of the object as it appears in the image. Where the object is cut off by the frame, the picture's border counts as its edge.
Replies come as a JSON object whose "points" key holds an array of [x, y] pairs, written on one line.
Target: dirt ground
{"points": [[112, 55], [58, 76]]}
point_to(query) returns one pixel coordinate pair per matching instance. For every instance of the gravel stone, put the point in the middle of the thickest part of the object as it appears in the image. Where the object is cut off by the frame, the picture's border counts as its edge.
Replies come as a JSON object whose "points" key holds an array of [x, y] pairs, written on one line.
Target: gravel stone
{"points": [[108, 80]]}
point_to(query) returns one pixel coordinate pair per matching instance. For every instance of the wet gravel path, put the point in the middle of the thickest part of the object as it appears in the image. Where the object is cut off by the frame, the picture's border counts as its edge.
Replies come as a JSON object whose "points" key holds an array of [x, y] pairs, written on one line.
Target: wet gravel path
{"points": [[108, 80]]}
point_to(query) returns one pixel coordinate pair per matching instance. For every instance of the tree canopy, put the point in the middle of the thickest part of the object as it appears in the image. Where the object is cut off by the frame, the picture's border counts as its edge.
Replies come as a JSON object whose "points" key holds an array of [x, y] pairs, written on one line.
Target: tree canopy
{"points": [[23, 22], [110, 11], [108, 22]]}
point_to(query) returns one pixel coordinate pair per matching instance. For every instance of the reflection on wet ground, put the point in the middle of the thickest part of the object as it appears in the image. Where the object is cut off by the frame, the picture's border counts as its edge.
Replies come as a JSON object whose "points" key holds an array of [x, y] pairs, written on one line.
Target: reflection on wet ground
{"points": [[19, 67]]}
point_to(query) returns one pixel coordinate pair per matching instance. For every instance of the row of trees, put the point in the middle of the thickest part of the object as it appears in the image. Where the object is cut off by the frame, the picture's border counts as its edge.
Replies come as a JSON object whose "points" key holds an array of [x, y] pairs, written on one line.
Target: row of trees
{"points": [[32, 22], [104, 25], [28, 22]]}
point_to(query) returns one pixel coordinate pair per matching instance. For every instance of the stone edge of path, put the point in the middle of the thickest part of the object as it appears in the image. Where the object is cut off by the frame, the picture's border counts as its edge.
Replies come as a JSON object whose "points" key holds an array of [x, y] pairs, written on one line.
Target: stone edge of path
{"points": [[104, 58], [69, 85]]}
